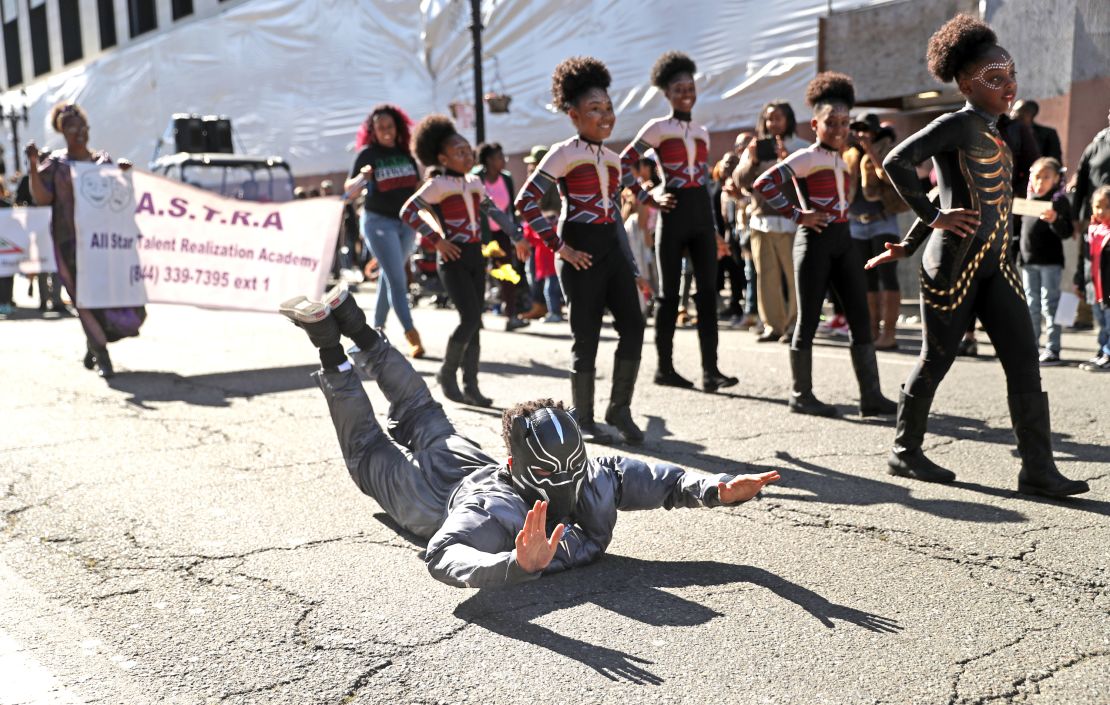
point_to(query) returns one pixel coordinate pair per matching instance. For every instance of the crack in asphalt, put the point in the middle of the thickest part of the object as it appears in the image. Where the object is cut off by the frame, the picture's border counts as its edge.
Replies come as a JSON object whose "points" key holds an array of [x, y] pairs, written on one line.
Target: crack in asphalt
{"points": [[363, 678], [962, 664], [925, 546], [1033, 680], [261, 688]]}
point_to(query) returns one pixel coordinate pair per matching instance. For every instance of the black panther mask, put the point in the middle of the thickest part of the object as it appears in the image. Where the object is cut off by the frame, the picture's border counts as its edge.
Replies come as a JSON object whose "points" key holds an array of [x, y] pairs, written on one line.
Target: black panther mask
{"points": [[548, 461]]}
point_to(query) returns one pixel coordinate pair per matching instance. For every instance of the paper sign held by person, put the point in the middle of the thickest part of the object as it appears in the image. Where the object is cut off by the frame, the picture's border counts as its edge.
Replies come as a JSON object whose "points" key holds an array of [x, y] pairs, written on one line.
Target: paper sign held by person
{"points": [[1027, 206], [143, 238]]}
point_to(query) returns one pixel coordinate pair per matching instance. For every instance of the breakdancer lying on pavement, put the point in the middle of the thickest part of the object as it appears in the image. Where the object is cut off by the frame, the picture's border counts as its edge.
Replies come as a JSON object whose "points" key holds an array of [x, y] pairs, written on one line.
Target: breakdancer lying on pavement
{"points": [[549, 507]]}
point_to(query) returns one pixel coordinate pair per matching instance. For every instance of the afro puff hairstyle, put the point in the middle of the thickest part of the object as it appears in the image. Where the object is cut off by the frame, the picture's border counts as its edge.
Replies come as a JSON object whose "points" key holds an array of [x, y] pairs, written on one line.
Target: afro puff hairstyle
{"points": [[830, 87], [670, 65], [961, 41], [429, 136], [574, 77]]}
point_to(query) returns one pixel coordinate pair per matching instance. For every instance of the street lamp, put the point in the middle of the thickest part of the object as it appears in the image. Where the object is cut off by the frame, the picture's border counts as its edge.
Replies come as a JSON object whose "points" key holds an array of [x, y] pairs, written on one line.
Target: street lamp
{"points": [[479, 107], [14, 116]]}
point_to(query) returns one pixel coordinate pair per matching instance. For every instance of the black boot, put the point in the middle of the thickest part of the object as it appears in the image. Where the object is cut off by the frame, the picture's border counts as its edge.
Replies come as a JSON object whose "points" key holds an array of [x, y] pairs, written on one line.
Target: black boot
{"points": [[907, 458], [1038, 475], [665, 374], [667, 377], [471, 394], [448, 375], [582, 395], [712, 381], [802, 400], [871, 399], [619, 413], [97, 356]]}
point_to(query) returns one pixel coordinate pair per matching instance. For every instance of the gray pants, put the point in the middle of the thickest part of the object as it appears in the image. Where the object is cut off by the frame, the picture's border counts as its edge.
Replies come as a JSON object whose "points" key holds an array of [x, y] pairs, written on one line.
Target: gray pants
{"points": [[412, 470]]}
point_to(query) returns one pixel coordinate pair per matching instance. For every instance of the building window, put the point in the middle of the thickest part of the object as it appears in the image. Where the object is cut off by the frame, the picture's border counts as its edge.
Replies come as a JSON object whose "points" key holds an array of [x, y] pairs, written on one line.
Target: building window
{"points": [[71, 31], [40, 39], [12, 54], [142, 16], [106, 15], [182, 8]]}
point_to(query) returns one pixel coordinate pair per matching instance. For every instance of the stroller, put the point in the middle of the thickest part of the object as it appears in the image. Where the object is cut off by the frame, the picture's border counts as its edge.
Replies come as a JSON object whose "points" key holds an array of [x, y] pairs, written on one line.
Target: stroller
{"points": [[424, 280]]}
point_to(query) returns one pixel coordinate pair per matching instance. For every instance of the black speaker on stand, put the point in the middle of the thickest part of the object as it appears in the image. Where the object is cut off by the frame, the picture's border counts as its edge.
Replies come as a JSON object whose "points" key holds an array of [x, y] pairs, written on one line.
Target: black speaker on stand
{"points": [[217, 134], [188, 133]]}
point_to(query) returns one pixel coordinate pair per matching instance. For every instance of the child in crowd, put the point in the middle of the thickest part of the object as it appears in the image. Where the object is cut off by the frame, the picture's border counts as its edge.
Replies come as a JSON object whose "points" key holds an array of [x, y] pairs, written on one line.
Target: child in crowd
{"points": [[1098, 289], [1042, 252]]}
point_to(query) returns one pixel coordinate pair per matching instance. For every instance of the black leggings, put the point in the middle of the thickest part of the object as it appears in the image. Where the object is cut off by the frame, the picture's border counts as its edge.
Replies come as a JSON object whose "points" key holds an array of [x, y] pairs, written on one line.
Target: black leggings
{"points": [[688, 226], [825, 261], [732, 266], [995, 297], [465, 281], [607, 283], [885, 276]]}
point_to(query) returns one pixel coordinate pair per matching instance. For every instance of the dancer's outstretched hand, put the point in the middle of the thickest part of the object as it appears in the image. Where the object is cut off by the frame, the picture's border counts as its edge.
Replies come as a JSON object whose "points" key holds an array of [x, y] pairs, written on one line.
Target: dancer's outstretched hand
{"points": [[743, 487], [534, 550], [894, 251]]}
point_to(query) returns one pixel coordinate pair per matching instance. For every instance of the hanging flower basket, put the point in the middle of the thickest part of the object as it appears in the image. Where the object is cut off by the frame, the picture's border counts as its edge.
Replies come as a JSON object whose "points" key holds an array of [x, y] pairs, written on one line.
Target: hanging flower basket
{"points": [[498, 102], [463, 113]]}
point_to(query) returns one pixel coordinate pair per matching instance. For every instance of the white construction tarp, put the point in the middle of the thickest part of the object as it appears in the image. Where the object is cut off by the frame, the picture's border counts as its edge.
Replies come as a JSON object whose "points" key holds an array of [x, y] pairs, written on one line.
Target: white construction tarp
{"points": [[297, 76]]}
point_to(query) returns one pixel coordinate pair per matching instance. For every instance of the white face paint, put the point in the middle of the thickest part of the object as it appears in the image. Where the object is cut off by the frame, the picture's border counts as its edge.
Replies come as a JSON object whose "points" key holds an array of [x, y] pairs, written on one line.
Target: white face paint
{"points": [[994, 82]]}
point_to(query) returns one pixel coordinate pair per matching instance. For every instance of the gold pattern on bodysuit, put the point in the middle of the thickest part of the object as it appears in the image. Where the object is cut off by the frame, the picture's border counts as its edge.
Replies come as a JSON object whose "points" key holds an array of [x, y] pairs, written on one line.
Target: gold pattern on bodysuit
{"points": [[956, 294]]}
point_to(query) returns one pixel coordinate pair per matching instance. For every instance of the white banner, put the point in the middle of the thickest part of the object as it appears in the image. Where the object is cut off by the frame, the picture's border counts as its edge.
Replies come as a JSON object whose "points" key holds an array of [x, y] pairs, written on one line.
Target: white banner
{"points": [[143, 238], [25, 244]]}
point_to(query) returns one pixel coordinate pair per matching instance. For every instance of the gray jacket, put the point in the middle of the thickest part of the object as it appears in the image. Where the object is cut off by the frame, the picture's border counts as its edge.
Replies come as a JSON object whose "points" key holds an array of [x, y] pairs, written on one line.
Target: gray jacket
{"points": [[475, 545]]}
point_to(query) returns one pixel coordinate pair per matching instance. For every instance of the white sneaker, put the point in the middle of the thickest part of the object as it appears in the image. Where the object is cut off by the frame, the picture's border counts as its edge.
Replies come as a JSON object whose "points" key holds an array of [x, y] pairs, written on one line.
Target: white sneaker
{"points": [[1049, 359], [1097, 364]]}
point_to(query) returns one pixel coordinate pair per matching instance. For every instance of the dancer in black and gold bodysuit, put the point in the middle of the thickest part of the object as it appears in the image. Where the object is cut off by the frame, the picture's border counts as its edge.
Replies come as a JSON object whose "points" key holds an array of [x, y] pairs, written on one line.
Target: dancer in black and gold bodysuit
{"points": [[965, 270]]}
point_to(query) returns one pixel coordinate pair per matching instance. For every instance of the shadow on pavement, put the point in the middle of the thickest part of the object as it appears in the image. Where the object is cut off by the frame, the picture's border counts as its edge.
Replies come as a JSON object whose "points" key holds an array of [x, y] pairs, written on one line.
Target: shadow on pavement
{"points": [[211, 389], [829, 486], [533, 369], [636, 589], [1081, 503]]}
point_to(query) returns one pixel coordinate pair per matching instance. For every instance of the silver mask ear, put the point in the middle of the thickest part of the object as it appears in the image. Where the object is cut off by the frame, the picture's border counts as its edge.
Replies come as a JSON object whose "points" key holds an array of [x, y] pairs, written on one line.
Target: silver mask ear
{"points": [[518, 431]]}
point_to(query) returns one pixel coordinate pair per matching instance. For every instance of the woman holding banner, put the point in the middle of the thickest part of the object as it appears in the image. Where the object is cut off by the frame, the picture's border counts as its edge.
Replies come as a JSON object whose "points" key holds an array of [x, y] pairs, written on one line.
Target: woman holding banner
{"points": [[51, 185]]}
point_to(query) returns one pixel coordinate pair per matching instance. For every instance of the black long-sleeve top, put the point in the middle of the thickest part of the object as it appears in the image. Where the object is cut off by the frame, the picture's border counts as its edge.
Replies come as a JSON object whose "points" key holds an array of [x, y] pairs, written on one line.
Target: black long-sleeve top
{"points": [[1041, 241], [1093, 171]]}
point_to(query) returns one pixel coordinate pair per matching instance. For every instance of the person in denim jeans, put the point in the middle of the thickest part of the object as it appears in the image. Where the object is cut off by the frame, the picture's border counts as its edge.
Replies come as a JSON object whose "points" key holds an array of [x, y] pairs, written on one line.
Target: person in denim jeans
{"points": [[387, 171], [1042, 252]]}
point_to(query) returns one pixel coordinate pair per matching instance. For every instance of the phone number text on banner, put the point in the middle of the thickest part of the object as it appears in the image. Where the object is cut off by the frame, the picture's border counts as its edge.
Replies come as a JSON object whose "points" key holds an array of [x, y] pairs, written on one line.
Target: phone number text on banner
{"points": [[143, 238]]}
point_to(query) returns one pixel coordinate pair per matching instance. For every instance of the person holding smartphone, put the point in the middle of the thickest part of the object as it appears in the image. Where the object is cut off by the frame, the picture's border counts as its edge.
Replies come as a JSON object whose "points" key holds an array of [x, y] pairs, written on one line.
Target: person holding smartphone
{"points": [[772, 235]]}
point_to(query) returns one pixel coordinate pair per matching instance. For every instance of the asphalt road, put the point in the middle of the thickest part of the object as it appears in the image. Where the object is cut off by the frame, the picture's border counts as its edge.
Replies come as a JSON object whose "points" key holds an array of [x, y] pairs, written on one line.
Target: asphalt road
{"points": [[188, 534]]}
